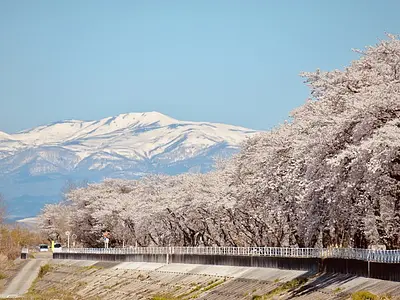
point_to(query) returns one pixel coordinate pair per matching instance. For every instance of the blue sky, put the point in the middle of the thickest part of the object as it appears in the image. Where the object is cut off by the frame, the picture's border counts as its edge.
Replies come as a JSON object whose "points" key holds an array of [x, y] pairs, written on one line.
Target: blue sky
{"points": [[230, 61]]}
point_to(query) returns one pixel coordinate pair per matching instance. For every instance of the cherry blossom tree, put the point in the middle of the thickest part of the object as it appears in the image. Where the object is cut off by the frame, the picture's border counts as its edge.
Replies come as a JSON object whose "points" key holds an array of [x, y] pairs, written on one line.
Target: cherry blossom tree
{"points": [[328, 177]]}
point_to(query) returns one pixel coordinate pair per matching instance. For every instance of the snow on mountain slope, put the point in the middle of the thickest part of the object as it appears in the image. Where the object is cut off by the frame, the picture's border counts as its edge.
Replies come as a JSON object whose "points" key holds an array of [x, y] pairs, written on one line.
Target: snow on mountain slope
{"points": [[4, 136], [74, 129], [135, 136], [38, 161], [8, 146]]}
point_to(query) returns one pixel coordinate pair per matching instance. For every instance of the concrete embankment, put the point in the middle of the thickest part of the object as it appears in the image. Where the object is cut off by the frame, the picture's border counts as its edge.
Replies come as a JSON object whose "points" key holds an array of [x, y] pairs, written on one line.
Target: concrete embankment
{"points": [[25, 277], [304, 264], [141, 280], [312, 265]]}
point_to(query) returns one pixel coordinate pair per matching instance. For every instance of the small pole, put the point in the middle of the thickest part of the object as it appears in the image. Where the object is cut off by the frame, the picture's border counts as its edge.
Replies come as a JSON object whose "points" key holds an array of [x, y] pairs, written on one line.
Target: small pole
{"points": [[68, 233], [168, 251], [73, 240]]}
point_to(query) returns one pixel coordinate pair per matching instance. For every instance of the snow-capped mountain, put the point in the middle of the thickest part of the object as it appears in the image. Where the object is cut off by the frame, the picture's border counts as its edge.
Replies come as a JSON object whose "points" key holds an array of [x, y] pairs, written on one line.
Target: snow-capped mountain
{"points": [[4, 136], [126, 146]]}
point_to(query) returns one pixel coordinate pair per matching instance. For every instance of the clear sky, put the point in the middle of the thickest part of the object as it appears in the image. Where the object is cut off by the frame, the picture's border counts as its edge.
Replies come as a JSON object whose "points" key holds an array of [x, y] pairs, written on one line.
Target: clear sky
{"points": [[226, 61]]}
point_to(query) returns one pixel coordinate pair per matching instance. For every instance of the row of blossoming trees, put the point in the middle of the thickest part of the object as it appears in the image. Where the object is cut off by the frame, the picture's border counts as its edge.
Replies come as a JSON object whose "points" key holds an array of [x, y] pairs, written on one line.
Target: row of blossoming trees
{"points": [[328, 177]]}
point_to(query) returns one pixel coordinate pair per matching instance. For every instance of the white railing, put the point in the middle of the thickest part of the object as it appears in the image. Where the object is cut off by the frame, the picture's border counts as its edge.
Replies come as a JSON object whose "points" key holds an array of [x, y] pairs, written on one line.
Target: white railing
{"points": [[385, 256]]}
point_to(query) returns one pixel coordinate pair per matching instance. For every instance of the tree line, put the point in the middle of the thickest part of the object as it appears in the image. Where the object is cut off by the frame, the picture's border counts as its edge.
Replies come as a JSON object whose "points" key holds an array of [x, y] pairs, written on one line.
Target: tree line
{"points": [[13, 237], [327, 177]]}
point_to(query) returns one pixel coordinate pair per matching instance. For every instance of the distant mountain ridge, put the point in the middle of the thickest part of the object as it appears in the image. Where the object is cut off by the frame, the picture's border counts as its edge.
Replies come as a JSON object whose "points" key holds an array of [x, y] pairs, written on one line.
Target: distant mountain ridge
{"points": [[38, 161]]}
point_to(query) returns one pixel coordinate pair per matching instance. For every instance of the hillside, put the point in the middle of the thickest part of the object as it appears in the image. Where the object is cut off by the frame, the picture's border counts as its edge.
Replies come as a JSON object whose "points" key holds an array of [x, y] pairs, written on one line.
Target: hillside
{"points": [[37, 163], [137, 280]]}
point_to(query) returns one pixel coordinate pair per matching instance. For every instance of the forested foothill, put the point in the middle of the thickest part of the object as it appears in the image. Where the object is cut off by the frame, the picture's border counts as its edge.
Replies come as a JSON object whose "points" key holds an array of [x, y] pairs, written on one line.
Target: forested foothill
{"points": [[327, 177]]}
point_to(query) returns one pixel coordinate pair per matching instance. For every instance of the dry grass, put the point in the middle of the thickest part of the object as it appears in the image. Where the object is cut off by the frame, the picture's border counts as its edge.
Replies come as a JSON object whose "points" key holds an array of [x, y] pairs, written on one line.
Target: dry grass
{"points": [[13, 238], [8, 270]]}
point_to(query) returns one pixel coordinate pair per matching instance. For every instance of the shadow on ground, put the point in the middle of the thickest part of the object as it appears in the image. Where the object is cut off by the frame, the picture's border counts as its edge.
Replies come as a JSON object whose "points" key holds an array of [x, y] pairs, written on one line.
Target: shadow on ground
{"points": [[321, 282]]}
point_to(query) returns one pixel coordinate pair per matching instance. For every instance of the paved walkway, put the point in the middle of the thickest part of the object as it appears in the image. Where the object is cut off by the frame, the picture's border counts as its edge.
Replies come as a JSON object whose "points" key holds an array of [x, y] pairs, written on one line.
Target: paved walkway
{"points": [[24, 279]]}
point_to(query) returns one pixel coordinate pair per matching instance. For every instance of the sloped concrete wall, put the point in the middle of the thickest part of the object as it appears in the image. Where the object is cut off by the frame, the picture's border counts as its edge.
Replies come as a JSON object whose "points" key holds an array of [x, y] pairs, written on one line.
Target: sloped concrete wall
{"points": [[313, 265], [156, 258], [344, 266], [305, 264], [360, 268], [385, 271]]}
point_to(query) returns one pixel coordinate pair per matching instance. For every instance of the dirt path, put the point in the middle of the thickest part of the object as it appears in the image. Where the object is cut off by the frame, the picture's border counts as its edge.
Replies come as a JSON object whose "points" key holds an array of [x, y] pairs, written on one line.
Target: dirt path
{"points": [[24, 279]]}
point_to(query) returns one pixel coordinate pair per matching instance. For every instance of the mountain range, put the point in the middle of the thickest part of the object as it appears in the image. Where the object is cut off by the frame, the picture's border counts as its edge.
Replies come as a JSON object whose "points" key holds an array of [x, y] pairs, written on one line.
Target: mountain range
{"points": [[36, 164]]}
